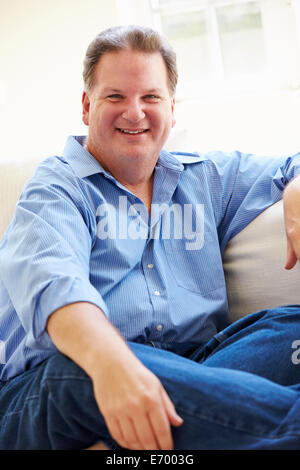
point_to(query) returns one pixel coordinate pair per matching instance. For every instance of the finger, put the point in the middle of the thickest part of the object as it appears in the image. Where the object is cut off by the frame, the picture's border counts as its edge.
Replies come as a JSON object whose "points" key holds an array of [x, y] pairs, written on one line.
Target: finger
{"points": [[161, 420], [172, 414], [97, 446], [291, 258], [116, 432], [130, 435], [162, 429], [146, 433]]}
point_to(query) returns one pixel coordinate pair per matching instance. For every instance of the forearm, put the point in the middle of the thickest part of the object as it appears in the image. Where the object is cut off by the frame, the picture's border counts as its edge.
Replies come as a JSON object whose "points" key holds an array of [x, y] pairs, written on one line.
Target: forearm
{"points": [[82, 332], [291, 204], [293, 184], [127, 393]]}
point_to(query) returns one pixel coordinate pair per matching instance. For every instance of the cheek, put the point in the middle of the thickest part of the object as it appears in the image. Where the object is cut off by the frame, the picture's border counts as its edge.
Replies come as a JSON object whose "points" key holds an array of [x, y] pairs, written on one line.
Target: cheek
{"points": [[162, 120], [103, 117]]}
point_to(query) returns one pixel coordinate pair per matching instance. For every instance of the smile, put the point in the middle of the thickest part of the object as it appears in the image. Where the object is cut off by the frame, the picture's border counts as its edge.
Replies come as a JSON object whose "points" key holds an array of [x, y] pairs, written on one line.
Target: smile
{"points": [[132, 132]]}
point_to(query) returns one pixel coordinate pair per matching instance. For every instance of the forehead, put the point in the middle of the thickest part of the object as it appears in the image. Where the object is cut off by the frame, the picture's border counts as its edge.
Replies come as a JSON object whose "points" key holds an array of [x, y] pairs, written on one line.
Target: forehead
{"points": [[128, 66]]}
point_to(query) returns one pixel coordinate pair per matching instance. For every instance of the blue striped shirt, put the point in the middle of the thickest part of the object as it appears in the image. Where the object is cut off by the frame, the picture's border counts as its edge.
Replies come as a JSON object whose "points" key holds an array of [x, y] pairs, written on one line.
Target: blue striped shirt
{"points": [[79, 235]]}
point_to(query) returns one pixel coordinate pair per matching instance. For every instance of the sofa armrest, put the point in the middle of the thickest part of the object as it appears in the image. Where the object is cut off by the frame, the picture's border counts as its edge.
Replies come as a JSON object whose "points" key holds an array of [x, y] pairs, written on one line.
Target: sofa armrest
{"points": [[254, 266]]}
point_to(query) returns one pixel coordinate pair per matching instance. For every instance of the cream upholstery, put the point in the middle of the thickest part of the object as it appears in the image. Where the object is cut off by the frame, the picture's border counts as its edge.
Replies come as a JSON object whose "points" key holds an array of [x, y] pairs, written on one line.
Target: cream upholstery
{"points": [[12, 179], [254, 266], [253, 261]]}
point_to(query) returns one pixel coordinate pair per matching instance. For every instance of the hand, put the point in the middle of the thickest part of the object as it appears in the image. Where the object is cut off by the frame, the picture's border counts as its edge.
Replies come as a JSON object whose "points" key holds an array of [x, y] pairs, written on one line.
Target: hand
{"points": [[291, 203], [136, 407], [133, 402]]}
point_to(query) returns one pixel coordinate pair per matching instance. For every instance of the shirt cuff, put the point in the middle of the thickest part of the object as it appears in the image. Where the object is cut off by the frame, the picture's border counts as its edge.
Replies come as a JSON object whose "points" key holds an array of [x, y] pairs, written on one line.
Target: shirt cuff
{"points": [[60, 292]]}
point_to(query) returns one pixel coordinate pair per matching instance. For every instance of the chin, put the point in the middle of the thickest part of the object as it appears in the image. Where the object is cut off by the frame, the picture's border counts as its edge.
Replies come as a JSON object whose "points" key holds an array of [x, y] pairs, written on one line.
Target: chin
{"points": [[135, 155]]}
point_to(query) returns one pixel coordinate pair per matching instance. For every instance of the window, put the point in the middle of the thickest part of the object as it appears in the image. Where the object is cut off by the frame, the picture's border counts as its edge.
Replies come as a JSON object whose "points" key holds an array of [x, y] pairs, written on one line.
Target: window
{"points": [[241, 38], [189, 32], [230, 45]]}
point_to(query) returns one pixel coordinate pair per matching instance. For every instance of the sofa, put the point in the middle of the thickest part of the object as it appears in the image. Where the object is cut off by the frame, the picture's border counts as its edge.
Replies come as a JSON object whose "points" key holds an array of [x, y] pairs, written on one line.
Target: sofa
{"points": [[253, 260]]}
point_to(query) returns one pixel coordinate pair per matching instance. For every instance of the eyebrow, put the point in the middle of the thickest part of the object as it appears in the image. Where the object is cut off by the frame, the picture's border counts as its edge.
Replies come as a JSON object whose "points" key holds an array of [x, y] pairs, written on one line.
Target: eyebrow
{"points": [[111, 90], [145, 92]]}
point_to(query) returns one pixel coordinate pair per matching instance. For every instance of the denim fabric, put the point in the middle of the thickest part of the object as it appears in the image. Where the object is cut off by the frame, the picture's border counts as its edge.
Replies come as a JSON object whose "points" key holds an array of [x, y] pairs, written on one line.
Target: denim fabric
{"points": [[239, 391]]}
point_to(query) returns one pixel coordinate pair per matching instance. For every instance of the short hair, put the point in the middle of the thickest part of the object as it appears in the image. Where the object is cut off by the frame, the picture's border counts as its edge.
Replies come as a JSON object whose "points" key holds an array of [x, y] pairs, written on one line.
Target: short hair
{"points": [[137, 38]]}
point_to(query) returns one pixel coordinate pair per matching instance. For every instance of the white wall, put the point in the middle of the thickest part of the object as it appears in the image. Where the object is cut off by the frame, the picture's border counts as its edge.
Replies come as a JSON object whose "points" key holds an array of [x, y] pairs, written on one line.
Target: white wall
{"points": [[263, 123], [135, 11], [42, 45]]}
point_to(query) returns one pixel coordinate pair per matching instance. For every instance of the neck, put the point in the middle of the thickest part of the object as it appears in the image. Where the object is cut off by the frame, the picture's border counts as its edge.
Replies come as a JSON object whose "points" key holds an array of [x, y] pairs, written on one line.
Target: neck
{"points": [[142, 190], [137, 177]]}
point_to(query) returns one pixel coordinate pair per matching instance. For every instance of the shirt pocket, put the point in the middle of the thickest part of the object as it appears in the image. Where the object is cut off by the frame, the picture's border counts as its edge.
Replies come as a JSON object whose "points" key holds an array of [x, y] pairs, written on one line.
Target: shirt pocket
{"points": [[196, 266]]}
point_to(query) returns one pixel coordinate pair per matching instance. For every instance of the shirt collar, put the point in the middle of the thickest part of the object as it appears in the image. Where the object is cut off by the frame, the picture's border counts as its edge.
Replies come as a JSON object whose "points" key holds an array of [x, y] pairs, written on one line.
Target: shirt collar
{"points": [[81, 161], [84, 164]]}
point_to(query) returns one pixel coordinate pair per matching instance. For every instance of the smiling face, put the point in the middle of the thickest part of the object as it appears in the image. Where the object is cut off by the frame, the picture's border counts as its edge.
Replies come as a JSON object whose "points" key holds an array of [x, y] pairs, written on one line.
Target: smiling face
{"points": [[129, 111]]}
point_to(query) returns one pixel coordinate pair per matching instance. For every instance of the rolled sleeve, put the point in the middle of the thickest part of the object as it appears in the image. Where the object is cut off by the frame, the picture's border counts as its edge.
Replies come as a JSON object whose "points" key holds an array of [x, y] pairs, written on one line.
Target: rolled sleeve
{"points": [[60, 292], [248, 185], [45, 258]]}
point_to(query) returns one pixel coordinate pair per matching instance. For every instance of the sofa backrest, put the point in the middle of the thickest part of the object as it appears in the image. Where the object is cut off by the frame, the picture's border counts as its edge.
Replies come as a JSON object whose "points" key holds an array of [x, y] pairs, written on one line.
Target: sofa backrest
{"points": [[12, 179]]}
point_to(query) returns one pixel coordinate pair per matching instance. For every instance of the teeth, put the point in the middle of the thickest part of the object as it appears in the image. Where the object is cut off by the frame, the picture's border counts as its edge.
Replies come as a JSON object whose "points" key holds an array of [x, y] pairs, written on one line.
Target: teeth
{"points": [[132, 132]]}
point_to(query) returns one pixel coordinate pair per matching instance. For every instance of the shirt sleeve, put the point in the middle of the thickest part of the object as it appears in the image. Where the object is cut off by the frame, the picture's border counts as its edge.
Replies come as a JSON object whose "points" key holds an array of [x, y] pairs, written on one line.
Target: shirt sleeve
{"points": [[245, 185], [45, 255]]}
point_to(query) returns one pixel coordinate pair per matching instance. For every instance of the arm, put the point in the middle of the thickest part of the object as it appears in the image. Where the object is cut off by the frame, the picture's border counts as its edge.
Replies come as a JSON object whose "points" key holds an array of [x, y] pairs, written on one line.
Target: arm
{"points": [[47, 248], [291, 204], [245, 185], [135, 406]]}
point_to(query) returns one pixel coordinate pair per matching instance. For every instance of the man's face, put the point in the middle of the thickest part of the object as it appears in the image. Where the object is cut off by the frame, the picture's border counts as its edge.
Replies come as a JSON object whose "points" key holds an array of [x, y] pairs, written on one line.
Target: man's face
{"points": [[129, 111]]}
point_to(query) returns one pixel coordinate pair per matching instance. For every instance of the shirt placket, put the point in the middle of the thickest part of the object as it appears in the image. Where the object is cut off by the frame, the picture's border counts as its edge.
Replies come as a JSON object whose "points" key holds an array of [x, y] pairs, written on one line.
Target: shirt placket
{"points": [[166, 182]]}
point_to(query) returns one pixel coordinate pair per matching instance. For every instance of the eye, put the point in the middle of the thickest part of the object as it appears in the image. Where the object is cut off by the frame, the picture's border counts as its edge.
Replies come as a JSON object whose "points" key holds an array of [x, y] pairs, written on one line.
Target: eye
{"points": [[115, 97], [152, 98]]}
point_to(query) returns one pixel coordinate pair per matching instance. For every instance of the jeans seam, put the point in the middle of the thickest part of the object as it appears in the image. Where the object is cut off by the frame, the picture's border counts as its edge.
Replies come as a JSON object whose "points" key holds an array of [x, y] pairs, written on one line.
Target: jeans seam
{"points": [[65, 377], [236, 428], [15, 412]]}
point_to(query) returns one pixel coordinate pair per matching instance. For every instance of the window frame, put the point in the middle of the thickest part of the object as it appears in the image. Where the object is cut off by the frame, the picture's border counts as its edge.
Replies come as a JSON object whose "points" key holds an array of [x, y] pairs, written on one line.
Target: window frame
{"points": [[219, 79]]}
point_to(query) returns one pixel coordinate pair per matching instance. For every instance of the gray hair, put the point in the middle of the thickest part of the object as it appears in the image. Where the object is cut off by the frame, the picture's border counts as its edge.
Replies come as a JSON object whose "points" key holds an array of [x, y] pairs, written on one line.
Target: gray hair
{"points": [[137, 38]]}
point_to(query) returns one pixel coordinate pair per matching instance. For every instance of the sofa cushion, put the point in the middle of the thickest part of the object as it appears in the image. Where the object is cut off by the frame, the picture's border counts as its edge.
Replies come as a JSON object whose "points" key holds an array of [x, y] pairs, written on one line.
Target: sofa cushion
{"points": [[254, 266]]}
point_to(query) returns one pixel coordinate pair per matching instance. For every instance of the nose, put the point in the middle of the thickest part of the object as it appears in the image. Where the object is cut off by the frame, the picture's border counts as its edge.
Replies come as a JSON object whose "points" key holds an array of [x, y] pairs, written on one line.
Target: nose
{"points": [[134, 111]]}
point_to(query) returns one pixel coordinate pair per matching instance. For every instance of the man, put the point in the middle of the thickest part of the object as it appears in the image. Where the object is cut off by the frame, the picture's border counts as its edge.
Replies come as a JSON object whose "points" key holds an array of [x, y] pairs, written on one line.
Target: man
{"points": [[113, 301]]}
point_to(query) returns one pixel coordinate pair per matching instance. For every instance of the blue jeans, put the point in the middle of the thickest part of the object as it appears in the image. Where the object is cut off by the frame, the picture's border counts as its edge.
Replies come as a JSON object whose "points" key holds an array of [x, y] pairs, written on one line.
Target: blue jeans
{"points": [[239, 391]]}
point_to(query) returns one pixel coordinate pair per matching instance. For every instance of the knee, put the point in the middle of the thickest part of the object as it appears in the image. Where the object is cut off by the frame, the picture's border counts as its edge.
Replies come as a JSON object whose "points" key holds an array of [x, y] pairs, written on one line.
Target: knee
{"points": [[66, 393], [59, 366], [63, 378], [284, 313]]}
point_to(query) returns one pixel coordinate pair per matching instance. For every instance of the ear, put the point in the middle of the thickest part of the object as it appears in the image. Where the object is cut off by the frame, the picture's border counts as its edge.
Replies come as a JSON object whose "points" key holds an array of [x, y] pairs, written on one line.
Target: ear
{"points": [[173, 111], [85, 108]]}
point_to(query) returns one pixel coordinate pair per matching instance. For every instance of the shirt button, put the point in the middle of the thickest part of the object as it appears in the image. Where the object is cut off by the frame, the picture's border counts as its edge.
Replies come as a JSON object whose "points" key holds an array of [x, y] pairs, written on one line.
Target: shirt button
{"points": [[150, 266], [157, 293], [159, 327]]}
